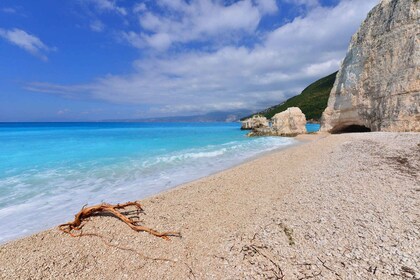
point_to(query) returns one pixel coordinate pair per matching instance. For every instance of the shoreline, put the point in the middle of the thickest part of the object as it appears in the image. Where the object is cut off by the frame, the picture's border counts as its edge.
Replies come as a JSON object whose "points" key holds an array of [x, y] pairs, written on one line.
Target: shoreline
{"points": [[333, 200], [299, 140], [165, 190]]}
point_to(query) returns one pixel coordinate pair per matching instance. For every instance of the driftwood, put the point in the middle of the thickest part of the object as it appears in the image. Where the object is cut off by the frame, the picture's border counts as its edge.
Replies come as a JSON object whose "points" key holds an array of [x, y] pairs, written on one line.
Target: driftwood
{"points": [[87, 212]]}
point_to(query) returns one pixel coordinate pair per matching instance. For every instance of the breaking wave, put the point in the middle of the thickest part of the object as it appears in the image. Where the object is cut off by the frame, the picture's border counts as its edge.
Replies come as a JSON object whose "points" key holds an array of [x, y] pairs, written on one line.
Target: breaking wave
{"points": [[104, 165]]}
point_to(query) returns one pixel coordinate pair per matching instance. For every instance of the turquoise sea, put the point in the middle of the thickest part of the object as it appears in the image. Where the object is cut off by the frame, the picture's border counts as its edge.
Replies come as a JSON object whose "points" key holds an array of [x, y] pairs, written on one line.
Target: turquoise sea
{"points": [[48, 171]]}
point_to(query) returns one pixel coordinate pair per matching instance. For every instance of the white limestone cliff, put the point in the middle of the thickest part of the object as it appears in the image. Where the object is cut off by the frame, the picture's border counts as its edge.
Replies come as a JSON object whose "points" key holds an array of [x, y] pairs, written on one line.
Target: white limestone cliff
{"points": [[378, 85]]}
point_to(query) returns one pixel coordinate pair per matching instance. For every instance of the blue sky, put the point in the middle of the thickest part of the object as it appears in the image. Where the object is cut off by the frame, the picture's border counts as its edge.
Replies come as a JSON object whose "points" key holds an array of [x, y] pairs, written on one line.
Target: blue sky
{"points": [[86, 60]]}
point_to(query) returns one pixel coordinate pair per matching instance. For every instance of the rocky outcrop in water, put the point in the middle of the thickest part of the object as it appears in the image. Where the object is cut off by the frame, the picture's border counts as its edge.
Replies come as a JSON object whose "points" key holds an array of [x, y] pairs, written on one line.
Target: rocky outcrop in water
{"points": [[378, 85], [256, 121], [290, 122]]}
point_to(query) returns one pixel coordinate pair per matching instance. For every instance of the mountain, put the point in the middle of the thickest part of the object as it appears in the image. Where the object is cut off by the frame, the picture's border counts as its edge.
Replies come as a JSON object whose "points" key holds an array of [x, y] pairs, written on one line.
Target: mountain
{"points": [[218, 116], [312, 100]]}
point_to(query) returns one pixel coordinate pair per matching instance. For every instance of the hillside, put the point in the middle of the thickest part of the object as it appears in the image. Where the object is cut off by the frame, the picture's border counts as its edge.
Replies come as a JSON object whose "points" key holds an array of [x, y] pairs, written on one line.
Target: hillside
{"points": [[216, 116], [312, 100]]}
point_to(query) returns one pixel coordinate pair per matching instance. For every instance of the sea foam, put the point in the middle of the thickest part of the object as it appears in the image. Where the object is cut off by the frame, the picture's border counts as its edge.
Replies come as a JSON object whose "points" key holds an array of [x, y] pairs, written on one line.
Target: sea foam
{"points": [[48, 173]]}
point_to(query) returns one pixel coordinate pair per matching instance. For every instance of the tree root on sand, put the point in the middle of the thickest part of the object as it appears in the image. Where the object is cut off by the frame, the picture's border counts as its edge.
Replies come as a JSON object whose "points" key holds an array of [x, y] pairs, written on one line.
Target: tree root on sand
{"points": [[87, 212]]}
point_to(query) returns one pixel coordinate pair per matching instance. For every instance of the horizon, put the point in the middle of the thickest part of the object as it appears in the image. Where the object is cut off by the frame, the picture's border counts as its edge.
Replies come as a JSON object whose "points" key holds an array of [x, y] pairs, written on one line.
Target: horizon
{"points": [[98, 60]]}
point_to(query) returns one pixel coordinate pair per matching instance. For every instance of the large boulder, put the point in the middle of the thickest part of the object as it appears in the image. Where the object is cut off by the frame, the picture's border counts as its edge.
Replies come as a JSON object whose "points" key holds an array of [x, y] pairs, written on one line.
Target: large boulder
{"points": [[289, 122], [378, 85], [254, 122]]}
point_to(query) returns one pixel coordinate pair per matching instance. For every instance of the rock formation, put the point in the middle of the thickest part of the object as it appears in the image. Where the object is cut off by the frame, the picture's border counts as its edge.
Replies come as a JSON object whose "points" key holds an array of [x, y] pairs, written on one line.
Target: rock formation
{"points": [[290, 122], [378, 85], [256, 121]]}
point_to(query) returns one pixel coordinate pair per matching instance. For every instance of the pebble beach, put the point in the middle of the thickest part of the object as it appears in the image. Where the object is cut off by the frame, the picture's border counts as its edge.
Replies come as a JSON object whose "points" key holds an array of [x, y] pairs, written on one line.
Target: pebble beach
{"points": [[333, 207]]}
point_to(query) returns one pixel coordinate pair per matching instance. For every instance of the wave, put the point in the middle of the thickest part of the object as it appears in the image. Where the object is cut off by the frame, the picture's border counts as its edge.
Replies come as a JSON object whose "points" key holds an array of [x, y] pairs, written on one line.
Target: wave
{"points": [[39, 198]]}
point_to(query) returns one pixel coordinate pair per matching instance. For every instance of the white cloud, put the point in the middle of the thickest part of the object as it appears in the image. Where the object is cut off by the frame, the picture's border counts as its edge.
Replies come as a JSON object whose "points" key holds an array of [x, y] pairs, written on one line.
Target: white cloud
{"points": [[8, 10], [97, 25], [231, 77], [159, 41], [323, 29], [28, 42], [108, 6], [183, 22], [267, 6], [94, 9], [307, 3], [139, 7], [133, 38]]}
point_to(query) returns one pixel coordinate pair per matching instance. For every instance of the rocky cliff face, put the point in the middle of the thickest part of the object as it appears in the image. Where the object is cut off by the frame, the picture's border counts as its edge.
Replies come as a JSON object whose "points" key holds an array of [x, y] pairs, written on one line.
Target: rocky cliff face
{"points": [[378, 85]]}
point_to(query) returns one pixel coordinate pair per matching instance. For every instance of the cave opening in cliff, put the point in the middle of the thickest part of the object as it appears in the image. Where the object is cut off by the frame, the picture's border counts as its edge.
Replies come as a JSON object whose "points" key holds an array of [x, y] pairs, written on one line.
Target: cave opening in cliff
{"points": [[353, 128]]}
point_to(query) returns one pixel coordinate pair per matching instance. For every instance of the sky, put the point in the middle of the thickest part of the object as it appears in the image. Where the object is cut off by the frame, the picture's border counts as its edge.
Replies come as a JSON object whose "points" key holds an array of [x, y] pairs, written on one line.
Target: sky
{"points": [[90, 60]]}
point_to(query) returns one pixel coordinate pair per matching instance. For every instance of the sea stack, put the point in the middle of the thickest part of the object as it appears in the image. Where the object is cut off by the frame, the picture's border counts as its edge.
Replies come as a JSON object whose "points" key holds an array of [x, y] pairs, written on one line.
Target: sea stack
{"points": [[290, 122], [378, 85], [255, 121]]}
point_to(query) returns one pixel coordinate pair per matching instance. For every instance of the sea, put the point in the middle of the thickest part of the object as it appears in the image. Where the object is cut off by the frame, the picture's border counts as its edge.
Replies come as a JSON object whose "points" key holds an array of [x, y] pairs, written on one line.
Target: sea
{"points": [[48, 171]]}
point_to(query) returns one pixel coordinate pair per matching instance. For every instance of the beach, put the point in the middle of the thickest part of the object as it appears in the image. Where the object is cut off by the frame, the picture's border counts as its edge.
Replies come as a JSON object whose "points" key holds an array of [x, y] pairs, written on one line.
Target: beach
{"points": [[341, 206]]}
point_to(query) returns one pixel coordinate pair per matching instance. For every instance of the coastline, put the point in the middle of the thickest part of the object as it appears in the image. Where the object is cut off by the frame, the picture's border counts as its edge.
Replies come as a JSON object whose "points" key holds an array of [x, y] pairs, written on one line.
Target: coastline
{"points": [[45, 182], [303, 210]]}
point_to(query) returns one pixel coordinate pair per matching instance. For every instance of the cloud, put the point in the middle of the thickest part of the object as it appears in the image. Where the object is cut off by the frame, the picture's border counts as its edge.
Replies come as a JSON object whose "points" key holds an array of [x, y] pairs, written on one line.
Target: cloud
{"points": [[107, 6], [8, 10], [308, 3], [232, 76], [177, 21], [267, 6], [28, 42], [323, 29], [139, 7], [97, 10], [97, 25]]}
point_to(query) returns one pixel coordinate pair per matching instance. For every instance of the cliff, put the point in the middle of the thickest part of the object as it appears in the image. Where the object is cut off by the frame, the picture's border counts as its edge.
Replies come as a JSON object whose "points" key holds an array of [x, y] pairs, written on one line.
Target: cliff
{"points": [[378, 85]]}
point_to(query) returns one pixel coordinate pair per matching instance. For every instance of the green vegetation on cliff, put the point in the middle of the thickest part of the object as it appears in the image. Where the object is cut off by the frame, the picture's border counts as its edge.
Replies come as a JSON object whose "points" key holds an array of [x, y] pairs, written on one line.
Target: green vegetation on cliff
{"points": [[312, 101]]}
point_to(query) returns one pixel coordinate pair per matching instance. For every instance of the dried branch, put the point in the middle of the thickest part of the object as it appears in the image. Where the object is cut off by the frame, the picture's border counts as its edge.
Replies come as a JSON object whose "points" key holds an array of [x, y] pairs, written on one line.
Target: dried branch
{"points": [[87, 212]]}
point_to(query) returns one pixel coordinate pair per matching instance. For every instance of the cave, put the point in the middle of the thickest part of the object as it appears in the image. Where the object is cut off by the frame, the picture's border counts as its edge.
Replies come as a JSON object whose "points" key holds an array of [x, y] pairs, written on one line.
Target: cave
{"points": [[350, 129]]}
